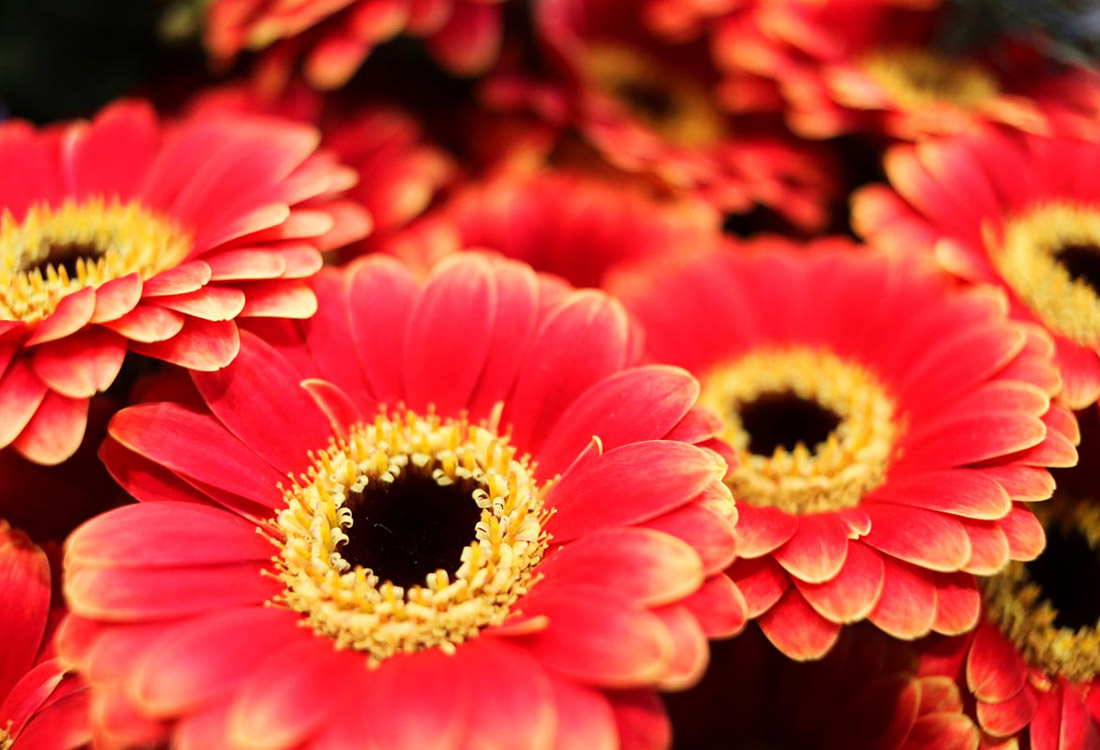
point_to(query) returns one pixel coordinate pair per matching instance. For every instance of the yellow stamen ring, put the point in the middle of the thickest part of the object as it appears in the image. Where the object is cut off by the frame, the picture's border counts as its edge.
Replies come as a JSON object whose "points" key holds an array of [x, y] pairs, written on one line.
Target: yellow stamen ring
{"points": [[55, 251], [833, 474], [350, 604], [1027, 259], [917, 78]]}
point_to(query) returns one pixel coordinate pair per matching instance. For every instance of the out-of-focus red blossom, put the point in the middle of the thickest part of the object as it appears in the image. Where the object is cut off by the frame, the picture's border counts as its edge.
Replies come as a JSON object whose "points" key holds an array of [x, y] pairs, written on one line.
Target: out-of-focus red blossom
{"points": [[889, 427], [843, 66], [127, 234], [866, 693], [576, 226], [42, 706], [1016, 702], [1007, 210], [400, 172], [627, 592], [647, 106], [332, 38]]}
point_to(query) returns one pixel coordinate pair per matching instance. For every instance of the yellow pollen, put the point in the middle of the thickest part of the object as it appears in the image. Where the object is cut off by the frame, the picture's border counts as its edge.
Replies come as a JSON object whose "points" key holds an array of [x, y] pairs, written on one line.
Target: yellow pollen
{"points": [[6, 740], [679, 109], [916, 78], [57, 250], [1030, 259], [836, 472], [1018, 608], [352, 605]]}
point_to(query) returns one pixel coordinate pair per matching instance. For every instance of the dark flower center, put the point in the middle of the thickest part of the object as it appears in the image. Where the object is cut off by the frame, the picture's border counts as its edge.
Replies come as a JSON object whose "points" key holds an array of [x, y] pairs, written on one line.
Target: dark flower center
{"points": [[1068, 572], [412, 527], [1082, 261], [67, 257], [786, 419], [647, 99]]}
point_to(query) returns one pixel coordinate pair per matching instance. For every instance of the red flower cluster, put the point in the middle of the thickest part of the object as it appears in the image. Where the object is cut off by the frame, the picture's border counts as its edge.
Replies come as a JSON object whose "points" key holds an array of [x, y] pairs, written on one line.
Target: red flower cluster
{"points": [[556, 406]]}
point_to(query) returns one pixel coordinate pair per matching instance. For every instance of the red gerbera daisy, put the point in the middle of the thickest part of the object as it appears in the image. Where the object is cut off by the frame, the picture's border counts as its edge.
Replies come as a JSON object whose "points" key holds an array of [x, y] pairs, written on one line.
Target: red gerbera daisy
{"points": [[856, 66], [1032, 666], [887, 426], [335, 36], [41, 706], [464, 566], [1019, 212], [400, 171], [648, 107], [124, 234], [865, 694], [579, 227]]}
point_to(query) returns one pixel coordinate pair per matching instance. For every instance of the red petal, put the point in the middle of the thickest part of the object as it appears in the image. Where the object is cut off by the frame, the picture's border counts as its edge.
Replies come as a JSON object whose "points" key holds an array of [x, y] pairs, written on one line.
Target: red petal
{"points": [[1006, 718], [1026, 539], [245, 264], [127, 594], [63, 725], [147, 324], [1023, 483], [642, 403], [21, 393], [641, 720], [189, 277], [381, 297], [650, 567], [116, 298], [470, 41], [25, 600], [278, 299], [581, 342], [208, 303], [597, 636], [515, 710], [144, 480], [719, 606], [328, 337], [925, 538], [200, 345], [208, 656], [797, 630], [258, 397], [761, 581], [72, 313], [690, 653], [853, 592], [186, 534], [81, 365], [336, 405], [961, 492], [958, 604], [55, 431], [817, 550], [994, 670], [974, 439], [707, 530], [112, 156], [585, 719], [907, 607], [761, 529], [289, 696], [988, 548], [448, 335], [628, 485], [196, 446]]}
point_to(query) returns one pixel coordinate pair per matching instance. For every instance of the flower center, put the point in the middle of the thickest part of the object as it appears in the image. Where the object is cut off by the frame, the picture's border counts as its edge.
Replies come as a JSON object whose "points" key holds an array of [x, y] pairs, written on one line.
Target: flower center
{"points": [[1050, 607], [1050, 257], [55, 251], [674, 106], [413, 532], [813, 432], [916, 78]]}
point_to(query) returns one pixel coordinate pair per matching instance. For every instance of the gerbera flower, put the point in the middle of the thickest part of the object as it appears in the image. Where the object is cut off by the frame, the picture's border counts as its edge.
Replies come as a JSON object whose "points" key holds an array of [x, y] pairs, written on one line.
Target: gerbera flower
{"points": [[866, 693], [648, 107], [458, 561], [41, 706], [1018, 212], [576, 226], [888, 428], [122, 234], [334, 37], [400, 171], [853, 66], [1032, 665]]}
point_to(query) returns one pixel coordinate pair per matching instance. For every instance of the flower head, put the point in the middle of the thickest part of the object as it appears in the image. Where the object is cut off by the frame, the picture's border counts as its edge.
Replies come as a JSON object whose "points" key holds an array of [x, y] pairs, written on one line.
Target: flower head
{"points": [[417, 504], [1018, 212], [847, 66], [649, 107], [124, 234], [888, 429]]}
